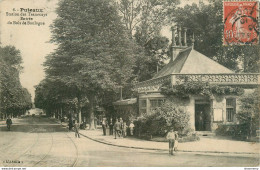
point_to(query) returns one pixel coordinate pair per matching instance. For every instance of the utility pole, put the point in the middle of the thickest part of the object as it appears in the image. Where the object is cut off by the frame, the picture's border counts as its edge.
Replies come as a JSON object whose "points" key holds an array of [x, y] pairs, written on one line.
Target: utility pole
{"points": [[121, 93]]}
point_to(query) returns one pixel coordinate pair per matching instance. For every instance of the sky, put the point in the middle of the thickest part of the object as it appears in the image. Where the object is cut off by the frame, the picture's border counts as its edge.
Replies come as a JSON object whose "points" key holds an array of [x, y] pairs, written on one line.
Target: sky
{"points": [[32, 40]]}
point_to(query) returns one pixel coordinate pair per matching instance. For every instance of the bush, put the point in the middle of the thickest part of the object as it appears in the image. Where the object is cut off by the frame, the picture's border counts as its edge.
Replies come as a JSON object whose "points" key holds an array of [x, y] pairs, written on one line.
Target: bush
{"points": [[249, 113], [237, 131], [162, 119]]}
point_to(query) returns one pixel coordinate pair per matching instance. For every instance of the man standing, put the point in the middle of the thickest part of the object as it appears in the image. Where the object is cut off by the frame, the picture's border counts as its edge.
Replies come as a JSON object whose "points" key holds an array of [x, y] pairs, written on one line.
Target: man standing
{"points": [[171, 138], [111, 127], [131, 126], [8, 123], [104, 126], [70, 124], [76, 128], [117, 128]]}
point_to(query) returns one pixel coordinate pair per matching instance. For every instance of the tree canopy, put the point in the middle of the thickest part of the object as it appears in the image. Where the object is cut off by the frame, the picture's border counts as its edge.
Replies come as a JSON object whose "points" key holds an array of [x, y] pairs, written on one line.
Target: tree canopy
{"points": [[205, 21], [14, 99], [94, 54]]}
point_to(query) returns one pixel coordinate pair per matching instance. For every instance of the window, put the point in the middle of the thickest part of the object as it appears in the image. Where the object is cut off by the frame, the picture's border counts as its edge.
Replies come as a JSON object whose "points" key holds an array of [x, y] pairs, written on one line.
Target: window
{"points": [[230, 109], [156, 103], [142, 106], [142, 103]]}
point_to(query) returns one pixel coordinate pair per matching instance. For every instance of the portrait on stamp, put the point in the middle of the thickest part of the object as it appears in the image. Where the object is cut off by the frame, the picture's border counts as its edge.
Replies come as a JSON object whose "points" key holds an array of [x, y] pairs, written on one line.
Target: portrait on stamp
{"points": [[240, 22]]}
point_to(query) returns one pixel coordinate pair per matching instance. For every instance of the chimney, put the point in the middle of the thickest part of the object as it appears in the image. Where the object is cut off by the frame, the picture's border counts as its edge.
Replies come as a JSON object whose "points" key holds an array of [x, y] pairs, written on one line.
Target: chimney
{"points": [[175, 49], [173, 36], [179, 30], [185, 37], [173, 46]]}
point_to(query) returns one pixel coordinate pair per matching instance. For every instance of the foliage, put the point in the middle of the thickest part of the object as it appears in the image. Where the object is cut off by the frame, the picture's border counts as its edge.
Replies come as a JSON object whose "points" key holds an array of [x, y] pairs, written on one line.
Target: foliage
{"points": [[236, 131], [51, 95], [162, 119], [185, 89], [248, 116], [95, 55], [155, 52], [144, 20], [145, 16], [205, 21], [14, 98], [249, 112]]}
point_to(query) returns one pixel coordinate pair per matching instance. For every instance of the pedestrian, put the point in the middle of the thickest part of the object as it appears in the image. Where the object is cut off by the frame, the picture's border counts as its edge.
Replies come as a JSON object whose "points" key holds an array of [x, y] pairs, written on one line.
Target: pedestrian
{"points": [[171, 138], [124, 128], [121, 125], [131, 126], [111, 127], [117, 128], [62, 119], [70, 124], [176, 143], [76, 128], [9, 123], [104, 126], [201, 121]]}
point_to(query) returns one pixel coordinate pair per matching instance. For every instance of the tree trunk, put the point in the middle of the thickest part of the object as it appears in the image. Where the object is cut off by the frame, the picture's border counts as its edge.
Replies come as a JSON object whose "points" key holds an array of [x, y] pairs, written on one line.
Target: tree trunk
{"points": [[92, 116], [79, 110], [80, 119], [61, 112]]}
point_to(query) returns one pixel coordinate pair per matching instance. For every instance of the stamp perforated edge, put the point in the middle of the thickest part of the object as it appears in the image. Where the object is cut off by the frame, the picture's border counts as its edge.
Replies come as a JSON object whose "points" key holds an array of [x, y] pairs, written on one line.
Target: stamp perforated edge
{"points": [[223, 19]]}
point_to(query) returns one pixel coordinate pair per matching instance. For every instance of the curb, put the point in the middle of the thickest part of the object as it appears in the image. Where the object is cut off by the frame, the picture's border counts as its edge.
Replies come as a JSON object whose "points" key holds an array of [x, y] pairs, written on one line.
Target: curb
{"points": [[154, 149]]}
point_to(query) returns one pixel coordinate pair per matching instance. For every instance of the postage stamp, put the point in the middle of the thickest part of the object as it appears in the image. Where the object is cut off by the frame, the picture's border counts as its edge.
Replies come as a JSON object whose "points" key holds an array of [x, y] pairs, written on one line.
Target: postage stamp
{"points": [[241, 22]]}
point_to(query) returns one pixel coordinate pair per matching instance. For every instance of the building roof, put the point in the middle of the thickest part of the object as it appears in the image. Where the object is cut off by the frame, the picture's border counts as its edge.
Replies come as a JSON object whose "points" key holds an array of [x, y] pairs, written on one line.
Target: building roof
{"points": [[125, 102], [190, 61]]}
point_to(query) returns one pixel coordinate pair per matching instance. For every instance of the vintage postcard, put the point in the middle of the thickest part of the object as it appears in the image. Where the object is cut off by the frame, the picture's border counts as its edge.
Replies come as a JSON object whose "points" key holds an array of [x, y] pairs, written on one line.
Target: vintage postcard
{"points": [[129, 83]]}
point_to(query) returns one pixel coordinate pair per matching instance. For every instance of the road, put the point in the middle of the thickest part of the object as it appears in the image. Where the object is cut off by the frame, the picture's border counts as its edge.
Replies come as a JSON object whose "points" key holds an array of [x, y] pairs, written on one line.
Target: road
{"points": [[40, 142]]}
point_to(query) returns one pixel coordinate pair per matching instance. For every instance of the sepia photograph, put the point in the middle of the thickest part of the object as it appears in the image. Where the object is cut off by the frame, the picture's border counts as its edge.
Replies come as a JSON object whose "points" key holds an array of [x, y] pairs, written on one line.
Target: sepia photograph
{"points": [[129, 83]]}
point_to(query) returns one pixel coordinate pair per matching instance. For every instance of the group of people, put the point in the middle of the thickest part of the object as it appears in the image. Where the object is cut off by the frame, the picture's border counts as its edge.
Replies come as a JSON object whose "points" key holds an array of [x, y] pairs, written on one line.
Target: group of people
{"points": [[119, 128]]}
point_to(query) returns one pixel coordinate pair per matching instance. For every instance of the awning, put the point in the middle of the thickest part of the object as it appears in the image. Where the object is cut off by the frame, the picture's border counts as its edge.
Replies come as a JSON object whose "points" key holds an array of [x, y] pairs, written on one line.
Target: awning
{"points": [[125, 102]]}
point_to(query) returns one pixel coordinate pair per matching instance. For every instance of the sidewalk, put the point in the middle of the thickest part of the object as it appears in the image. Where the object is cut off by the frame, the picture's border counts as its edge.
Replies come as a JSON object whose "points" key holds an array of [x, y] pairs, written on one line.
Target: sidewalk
{"points": [[205, 144], [3, 122]]}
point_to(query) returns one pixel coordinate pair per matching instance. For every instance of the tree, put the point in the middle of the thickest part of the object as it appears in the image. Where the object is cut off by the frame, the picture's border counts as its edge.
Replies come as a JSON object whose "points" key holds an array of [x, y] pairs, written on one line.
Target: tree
{"points": [[144, 20], [52, 96], [249, 112], [155, 53], [145, 16], [14, 99], [94, 53], [205, 21]]}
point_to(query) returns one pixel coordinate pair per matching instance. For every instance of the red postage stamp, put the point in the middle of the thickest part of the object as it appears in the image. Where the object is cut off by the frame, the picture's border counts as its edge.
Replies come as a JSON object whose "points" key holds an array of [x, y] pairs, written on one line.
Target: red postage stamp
{"points": [[240, 22]]}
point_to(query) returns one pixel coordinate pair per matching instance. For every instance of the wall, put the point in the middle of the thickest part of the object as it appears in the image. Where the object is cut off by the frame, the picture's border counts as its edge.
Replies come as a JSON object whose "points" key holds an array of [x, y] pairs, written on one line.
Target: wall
{"points": [[218, 103]]}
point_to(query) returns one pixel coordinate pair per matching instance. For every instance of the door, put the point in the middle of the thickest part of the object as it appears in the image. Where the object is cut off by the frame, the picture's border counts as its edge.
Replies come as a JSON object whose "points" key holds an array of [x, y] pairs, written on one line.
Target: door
{"points": [[202, 117]]}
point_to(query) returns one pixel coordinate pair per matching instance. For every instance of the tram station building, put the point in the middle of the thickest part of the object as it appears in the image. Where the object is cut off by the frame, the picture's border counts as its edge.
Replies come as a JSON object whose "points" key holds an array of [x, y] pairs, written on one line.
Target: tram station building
{"points": [[188, 62]]}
